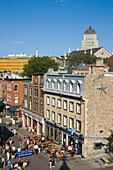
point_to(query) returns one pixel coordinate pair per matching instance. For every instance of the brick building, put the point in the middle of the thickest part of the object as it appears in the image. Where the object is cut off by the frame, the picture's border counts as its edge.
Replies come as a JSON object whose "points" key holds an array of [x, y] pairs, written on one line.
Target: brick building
{"points": [[12, 95], [33, 111]]}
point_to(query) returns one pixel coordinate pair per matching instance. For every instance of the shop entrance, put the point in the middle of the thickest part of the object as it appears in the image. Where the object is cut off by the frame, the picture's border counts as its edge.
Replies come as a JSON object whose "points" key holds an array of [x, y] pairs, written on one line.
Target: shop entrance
{"points": [[64, 139]]}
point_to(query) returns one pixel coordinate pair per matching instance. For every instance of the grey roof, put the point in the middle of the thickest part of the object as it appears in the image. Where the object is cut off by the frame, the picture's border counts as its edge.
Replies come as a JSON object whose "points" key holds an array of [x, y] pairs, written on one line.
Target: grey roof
{"points": [[82, 67], [90, 31]]}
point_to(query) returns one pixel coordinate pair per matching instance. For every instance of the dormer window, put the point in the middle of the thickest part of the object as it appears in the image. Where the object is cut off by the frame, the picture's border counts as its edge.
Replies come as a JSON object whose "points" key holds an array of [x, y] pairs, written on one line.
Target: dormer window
{"points": [[78, 86], [65, 85], [59, 84], [48, 82], [52, 84], [71, 85]]}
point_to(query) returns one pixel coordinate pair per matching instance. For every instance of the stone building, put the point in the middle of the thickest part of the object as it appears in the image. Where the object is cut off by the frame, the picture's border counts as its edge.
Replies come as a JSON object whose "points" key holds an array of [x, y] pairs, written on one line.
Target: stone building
{"points": [[90, 39], [98, 98], [100, 52], [33, 111], [78, 109]]}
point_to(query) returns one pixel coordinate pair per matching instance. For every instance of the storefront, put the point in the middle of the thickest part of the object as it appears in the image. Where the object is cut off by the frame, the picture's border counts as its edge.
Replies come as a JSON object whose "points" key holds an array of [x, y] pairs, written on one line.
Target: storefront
{"points": [[63, 137]]}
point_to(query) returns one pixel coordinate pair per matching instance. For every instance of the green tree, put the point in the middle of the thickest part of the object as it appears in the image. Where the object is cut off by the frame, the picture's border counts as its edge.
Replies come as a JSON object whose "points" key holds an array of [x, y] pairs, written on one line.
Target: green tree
{"points": [[76, 59], [106, 60], [110, 142], [39, 64]]}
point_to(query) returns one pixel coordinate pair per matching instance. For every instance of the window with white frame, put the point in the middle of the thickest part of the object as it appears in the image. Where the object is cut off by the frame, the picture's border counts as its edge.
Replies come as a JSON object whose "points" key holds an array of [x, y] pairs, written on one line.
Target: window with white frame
{"points": [[78, 125], [41, 108], [59, 85], [71, 107], [30, 105], [41, 80], [16, 99], [65, 105], [35, 92], [16, 87], [9, 98], [35, 107], [71, 123], [78, 90], [65, 86], [25, 90], [52, 84], [78, 108], [48, 100], [35, 79], [53, 101], [48, 114], [47, 83], [71, 87], [59, 103], [30, 91], [59, 118], [25, 103], [53, 116], [65, 121], [8, 87]]}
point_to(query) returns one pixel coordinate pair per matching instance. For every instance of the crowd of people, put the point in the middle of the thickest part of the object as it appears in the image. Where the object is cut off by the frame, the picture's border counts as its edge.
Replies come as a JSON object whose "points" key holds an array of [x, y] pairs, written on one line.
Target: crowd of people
{"points": [[9, 153], [35, 143]]}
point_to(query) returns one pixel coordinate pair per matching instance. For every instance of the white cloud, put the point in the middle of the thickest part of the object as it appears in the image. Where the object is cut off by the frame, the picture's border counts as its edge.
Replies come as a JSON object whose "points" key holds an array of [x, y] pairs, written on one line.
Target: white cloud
{"points": [[61, 2], [19, 42]]}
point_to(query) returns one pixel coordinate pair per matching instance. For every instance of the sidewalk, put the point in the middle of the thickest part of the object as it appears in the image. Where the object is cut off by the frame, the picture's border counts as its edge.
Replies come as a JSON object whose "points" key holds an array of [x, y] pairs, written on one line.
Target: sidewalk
{"points": [[93, 162]]}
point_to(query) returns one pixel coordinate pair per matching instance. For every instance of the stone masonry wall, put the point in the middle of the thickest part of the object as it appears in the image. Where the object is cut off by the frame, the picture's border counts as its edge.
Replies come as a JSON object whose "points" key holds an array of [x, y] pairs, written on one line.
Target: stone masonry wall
{"points": [[99, 110]]}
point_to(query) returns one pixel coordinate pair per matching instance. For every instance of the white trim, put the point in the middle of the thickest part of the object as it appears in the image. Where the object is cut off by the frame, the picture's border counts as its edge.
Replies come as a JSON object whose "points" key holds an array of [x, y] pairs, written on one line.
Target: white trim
{"points": [[60, 80], [80, 81], [73, 81]]}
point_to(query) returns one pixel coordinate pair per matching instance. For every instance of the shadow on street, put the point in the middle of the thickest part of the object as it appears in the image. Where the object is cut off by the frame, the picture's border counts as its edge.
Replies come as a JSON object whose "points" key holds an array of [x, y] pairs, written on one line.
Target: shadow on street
{"points": [[64, 166], [6, 133]]}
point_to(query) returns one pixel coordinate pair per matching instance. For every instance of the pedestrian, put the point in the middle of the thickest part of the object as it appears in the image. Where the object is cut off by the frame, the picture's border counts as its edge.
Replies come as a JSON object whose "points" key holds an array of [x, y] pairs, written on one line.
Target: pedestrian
{"points": [[50, 162], [36, 148], [8, 155], [53, 162], [9, 164], [10, 141]]}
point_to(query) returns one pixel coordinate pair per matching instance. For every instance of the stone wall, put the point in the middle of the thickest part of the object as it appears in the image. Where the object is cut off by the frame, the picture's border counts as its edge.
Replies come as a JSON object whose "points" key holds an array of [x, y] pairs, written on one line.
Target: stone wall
{"points": [[98, 97]]}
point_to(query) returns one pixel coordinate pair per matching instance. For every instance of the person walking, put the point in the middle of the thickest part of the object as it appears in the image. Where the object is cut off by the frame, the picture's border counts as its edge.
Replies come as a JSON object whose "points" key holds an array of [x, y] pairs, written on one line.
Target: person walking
{"points": [[36, 148], [9, 164], [50, 162], [8, 155]]}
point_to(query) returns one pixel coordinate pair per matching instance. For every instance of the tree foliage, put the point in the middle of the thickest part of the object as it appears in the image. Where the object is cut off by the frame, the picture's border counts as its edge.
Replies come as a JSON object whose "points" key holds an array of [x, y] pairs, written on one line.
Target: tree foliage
{"points": [[39, 64], [76, 59], [110, 142]]}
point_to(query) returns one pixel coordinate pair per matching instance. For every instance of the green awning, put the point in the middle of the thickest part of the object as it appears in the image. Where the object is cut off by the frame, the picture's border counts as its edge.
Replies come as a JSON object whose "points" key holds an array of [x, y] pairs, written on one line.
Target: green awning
{"points": [[1, 104]]}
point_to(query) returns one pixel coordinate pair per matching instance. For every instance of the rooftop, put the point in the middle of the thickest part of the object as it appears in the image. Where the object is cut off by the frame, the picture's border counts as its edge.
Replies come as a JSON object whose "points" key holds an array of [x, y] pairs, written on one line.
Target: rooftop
{"points": [[90, 31]]}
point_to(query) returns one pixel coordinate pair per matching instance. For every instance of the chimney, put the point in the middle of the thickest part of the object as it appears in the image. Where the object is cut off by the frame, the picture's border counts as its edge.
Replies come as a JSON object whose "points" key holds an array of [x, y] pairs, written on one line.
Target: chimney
{"points": [[90, 28], [36, 52]]}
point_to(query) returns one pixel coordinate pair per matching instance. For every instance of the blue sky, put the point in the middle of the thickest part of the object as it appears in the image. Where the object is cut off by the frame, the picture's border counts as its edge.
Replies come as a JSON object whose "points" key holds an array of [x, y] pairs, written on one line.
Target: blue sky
{"points": [[53, 25]]}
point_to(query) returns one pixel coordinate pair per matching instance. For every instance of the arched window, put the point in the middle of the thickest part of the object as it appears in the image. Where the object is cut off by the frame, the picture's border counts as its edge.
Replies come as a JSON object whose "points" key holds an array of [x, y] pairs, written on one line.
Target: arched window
{"points": [[79, 86], [71, 85], [48, 83], [59, 84], [16, 99], [65, 85]]}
